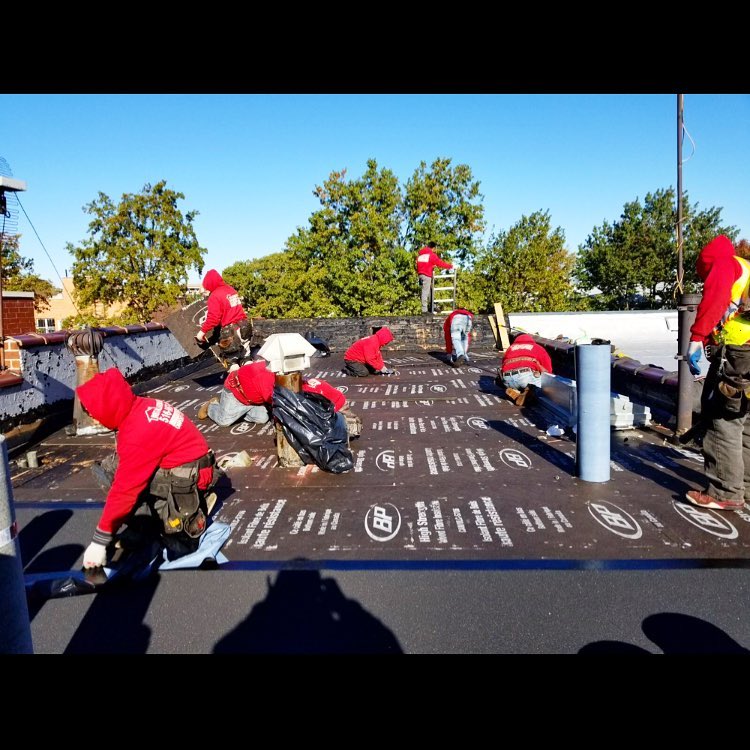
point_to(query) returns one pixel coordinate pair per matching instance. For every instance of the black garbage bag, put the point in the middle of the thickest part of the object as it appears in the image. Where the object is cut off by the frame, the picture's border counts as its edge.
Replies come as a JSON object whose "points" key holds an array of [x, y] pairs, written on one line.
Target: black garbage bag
{"points": [[313, 429], [322, 347]]}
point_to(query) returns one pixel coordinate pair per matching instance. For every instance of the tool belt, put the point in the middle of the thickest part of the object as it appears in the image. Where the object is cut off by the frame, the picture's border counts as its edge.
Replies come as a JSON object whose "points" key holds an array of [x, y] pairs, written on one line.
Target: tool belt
{"points": [[732, 377], [181, 508], [233, 335]]}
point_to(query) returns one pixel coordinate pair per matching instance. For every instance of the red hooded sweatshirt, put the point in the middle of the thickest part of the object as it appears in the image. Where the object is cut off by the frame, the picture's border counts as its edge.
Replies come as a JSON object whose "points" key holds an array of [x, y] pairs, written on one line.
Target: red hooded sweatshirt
{"points": [[313, 385], [224, 306], [447, 328], [367, 350], [525, 352], [718, 269], [151, 434], [252, 384], [428, 259]]}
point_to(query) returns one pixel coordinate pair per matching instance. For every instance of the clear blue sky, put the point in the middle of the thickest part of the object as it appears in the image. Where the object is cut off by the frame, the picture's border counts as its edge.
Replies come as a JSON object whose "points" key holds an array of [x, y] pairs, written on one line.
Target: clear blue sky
{"points": [[249, 162]]}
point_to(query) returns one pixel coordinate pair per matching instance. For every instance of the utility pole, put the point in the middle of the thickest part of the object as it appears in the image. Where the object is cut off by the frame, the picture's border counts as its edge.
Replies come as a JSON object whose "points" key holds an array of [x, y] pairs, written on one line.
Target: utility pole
{"points": [[687, 303]]}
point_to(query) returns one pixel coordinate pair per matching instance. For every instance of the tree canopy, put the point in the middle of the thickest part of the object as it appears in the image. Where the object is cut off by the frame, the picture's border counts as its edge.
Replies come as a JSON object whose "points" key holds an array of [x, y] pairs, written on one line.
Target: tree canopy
{"points": [[18, 273], [526, 268], [138, 252], [633, 261]]}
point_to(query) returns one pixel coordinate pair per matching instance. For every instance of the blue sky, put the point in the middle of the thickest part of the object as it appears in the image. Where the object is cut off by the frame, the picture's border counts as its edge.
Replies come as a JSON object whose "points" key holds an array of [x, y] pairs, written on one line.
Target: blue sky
{"points": [[249, 162]]}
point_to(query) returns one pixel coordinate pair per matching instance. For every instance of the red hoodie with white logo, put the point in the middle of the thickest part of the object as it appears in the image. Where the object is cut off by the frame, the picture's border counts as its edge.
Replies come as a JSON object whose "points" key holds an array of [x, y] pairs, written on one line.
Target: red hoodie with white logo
{"points": [[718, 268], [367, 350], [313, 385], [151, 434], [428, 259], [447, 328], [224, 305], [525, 352]]}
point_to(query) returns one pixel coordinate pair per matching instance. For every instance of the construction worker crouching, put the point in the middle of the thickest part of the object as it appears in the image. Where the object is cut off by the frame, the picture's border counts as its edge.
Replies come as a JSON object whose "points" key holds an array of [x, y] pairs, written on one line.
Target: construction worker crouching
{"points": [[522, 368], [457, 329], [363, 357], [162, 464], [722, 320], [246, 394], [225, 311]]}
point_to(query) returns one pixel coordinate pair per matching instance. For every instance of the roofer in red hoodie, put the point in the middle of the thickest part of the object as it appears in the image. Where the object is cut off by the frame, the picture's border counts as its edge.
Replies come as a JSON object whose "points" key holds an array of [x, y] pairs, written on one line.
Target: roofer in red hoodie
{"points": [[363, 357], [246, 394], [225, 310], [159, 454], [427, 259], [522, 367], [723, 321], [457, 329]]}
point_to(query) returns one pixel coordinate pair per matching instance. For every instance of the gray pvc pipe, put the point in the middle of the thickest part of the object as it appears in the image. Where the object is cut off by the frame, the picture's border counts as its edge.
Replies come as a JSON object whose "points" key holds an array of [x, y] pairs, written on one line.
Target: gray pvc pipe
{"points": [[593, 383]]}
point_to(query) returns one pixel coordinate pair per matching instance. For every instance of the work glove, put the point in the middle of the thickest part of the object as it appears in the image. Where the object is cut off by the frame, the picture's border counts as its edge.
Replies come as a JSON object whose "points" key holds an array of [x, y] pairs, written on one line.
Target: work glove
{"points": [[387, 371], [95, 555], [200, 337], [694, 354]]}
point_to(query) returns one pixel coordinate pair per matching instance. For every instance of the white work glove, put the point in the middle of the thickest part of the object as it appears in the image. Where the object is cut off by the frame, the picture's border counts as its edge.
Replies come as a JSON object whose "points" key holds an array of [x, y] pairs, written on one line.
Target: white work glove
{"points": [[694, 354], [387, 371], [95, 555], [234, 367], [200, 337]]}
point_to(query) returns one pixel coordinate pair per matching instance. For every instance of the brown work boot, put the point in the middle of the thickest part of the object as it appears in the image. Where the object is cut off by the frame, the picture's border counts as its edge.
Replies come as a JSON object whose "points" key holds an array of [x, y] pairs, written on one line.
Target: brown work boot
{"points": [[522, 397], [203, 410], [512, 393]]}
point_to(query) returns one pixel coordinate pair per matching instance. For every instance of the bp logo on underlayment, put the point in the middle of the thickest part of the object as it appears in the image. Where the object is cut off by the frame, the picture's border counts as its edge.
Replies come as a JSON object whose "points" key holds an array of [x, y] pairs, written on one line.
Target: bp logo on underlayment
{"points": [[382, 522], [242, 428], [515, 459], [386, 460], [615, 519], [706, 520]]}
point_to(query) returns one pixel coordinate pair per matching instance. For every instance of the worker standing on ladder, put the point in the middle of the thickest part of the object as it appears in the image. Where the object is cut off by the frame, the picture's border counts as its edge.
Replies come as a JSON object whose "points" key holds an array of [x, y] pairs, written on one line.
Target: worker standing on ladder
{"points": [[426, 262]]}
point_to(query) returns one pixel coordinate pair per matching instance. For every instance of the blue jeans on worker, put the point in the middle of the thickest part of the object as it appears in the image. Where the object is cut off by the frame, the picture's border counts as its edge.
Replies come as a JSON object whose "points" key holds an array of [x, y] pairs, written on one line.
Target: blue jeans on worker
{"points": [[229, 410], [460, 330], [521, 378]]}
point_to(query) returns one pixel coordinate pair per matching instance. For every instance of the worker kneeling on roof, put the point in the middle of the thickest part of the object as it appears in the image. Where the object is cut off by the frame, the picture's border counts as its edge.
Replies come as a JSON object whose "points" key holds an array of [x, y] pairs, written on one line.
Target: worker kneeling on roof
{"points": [[522, 368], [363, 357], [162, 464]]}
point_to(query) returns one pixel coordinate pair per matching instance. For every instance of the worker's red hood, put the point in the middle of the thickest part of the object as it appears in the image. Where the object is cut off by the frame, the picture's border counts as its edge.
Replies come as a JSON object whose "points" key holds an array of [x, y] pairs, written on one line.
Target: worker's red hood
{"points": [[384, 336], [524, 338], [719, 248], [212, 280], [107, 397]]}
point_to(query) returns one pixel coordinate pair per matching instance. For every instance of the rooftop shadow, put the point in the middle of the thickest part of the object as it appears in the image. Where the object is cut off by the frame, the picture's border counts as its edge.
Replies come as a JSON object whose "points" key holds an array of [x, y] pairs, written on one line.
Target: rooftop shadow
{"points": [[304, 613]]}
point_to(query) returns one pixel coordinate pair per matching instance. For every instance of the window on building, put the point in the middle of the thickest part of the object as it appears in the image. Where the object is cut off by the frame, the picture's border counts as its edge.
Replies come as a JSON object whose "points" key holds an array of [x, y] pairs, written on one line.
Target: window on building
{"points": [[45, 325]]}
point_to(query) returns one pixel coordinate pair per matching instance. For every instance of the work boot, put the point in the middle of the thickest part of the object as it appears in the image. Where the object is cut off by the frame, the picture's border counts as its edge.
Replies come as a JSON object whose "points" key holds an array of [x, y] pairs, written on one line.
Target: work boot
{"points": [[459, 361], [203, 410], [512, 393]]}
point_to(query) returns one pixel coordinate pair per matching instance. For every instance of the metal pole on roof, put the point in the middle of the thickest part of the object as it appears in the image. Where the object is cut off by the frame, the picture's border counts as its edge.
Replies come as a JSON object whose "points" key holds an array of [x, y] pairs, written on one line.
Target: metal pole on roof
{"points": [[15, 630], [687, 304]]}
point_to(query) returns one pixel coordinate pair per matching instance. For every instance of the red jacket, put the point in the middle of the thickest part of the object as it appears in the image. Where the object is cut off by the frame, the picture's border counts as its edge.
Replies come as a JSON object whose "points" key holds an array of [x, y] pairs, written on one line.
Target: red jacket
{"points": [[525, 352], [719, 270], [313, 385], [367, 350], [151, 434], [447, 328], [251, 384], [224, 304], [427, 260]]}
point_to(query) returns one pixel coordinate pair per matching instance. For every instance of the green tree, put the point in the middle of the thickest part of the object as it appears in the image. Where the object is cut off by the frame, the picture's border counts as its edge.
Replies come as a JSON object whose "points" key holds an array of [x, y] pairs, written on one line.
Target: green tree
{"points": [[18, 273], [633, 261], [139, 252], [348, 261], [443, 204], [527, 269]]}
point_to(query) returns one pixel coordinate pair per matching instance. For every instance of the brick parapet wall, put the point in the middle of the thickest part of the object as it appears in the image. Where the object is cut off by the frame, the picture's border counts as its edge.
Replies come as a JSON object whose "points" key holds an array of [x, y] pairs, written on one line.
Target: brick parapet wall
{"points": [[18, 315]]}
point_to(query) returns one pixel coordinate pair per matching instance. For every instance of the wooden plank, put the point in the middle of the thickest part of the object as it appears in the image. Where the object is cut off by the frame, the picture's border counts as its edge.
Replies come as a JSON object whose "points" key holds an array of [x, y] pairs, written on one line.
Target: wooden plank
{"points": [[493, 326], [502, 328]]}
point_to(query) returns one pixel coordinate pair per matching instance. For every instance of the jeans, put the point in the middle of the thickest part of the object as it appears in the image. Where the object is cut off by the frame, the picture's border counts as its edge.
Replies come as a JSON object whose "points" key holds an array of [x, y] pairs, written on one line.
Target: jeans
{"points": [[358, 369], [426, 284], [460, 329], [229, 410], [519, 380], [726, 446]]}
